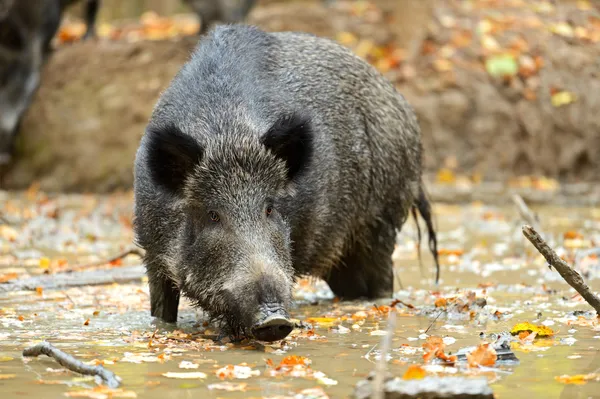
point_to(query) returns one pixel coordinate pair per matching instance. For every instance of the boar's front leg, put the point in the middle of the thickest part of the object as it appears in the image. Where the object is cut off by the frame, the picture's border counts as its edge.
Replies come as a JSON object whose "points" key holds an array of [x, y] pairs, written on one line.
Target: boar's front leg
{"points": [[164, 297]]}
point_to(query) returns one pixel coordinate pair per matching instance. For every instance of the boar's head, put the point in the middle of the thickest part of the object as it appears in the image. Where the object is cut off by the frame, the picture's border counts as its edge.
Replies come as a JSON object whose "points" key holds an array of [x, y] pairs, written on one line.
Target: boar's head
{"points": [[232, 191]]}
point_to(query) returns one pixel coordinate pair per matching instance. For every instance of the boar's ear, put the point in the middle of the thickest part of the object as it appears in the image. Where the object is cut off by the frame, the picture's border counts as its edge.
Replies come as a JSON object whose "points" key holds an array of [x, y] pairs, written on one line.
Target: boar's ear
{"points": [[290, 139], [171, 156]]}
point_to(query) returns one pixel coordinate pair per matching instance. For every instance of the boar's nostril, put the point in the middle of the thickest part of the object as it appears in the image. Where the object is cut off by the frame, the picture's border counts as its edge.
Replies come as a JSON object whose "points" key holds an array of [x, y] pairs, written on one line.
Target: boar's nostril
{"points": [[272, 329]]}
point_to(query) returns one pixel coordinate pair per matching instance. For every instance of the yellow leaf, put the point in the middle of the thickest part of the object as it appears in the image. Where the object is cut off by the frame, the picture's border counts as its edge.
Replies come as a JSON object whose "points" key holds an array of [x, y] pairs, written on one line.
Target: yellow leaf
{"points": [[44, 263], [577, 379], [446, 176], [562, 98], [322, 321], [562, 29], [541, 331], [346, 38], [7, 376], [414, 372]]}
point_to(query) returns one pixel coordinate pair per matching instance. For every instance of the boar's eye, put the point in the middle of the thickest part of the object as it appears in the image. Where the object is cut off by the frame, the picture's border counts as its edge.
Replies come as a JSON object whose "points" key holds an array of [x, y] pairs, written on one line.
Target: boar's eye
{"points": [[214, 216], [269, 210]]}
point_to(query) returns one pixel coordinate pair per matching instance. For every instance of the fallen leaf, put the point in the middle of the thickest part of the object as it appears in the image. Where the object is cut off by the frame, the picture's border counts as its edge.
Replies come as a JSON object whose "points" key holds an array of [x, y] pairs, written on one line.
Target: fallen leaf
{"points": [[434, 348], [540, 330], [483, 355], [562, 98], [414, 372], [236, 371], [101, 392], [184, 364], [578, 379], [228, 386], [502, 66], [7, 376], [322, 321], [445, 176]]}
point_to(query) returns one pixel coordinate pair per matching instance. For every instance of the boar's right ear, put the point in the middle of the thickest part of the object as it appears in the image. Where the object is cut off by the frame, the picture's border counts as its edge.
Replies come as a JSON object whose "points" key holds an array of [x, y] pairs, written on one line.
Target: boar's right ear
{"points": [[171, 155], [290, 139]]}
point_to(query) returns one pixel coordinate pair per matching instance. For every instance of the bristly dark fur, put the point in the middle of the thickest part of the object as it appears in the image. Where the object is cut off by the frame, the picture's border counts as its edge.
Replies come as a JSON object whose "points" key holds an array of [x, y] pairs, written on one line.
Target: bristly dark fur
{"points": [[310, 163]]}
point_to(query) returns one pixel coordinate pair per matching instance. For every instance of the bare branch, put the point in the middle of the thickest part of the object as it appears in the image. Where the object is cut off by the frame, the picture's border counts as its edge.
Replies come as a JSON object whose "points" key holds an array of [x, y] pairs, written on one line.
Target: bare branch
{"points": [[69, 362], [526, 213], [571, 276], [129, 251]]}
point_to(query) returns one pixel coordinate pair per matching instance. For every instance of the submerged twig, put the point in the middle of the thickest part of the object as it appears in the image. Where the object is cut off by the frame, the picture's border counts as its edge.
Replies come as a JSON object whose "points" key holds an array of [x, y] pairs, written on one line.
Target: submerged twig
{"points": [[571, 276], [380, 367], [69, 362], [434, 320], [526, 213], [129, 251]]}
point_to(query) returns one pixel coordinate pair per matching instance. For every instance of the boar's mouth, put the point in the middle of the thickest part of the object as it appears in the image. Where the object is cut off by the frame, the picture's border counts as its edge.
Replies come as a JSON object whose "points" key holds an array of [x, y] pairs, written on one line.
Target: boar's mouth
{"points": [[272, 323]]}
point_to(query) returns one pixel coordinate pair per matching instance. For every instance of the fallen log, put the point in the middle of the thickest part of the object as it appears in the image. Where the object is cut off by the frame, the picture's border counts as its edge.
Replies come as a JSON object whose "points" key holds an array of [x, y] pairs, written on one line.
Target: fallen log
{"points": [[120, 275]]}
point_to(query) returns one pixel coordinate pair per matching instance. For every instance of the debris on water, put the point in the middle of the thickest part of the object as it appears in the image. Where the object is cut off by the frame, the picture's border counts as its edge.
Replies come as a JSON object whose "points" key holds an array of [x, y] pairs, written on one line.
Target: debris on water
{"points": [[430, 387]]}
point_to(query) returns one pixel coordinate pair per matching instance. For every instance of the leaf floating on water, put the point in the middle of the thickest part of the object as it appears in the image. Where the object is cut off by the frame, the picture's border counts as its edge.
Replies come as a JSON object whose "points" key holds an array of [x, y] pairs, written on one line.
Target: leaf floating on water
{"points": [[541, 331], [414, 372], [7, 376], [5, 358], [184, 364], [434, 348], [502, 66], [184, 375], [483, 355], [578, 379], [238, 371], [323, 321], [228, 386]]}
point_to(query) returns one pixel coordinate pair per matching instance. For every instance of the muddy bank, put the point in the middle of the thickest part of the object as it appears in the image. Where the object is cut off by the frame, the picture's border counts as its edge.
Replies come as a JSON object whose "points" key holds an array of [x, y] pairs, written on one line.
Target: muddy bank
{"points": [[84, 126]]}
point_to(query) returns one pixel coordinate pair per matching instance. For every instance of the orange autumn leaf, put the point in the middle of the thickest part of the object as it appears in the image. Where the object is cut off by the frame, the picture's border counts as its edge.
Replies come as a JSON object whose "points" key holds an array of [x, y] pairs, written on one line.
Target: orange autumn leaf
{"points": [[572, 235], [440, 302], [294, 360], [484, 355], [87, 322], [360, 315], [448, 252], [7, 277], [434, 348], [116, 262], [21, 318], [414, 372]]}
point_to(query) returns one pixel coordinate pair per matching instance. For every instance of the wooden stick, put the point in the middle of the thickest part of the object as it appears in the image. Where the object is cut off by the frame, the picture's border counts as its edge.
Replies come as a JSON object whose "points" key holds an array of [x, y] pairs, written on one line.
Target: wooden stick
{"points": [[129, 251], [69, 362], [526, 214], [381, 366], [571, 276]]}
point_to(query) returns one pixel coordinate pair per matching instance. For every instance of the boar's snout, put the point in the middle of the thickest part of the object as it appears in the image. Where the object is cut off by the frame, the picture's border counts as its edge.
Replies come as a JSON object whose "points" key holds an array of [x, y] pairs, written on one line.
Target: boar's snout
{"points": [[272, 325]]}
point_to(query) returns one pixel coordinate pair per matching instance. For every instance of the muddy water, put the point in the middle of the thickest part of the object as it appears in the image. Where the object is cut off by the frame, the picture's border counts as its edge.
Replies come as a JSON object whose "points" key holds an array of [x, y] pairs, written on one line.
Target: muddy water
{"points": [[484, 253]]}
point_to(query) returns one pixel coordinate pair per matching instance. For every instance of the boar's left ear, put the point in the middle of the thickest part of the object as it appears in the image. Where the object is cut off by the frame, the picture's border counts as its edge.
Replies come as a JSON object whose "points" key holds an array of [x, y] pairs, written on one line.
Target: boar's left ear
{"points": [[291, 139], [171, 156]]}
